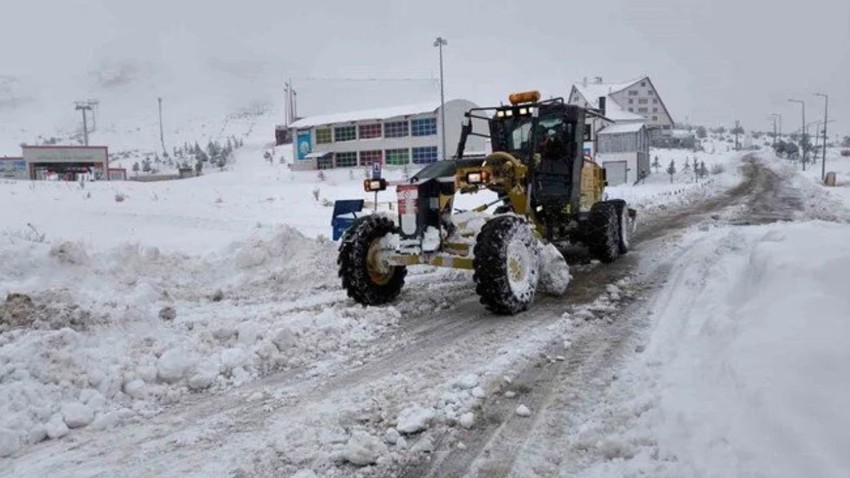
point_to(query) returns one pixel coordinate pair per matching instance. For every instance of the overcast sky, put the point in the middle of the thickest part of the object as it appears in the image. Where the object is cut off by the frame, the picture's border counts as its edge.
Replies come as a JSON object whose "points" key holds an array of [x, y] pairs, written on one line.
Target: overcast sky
{"points": [[712, 61]]}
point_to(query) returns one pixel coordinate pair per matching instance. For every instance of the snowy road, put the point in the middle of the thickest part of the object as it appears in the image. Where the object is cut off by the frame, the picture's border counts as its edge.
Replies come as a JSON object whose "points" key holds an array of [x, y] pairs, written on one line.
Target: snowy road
{"points": [[447, 355]]}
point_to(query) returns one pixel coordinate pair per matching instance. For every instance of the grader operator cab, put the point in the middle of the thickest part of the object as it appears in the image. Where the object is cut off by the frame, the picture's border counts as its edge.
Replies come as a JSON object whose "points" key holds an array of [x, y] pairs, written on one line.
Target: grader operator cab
{"points": [[548, 193]]}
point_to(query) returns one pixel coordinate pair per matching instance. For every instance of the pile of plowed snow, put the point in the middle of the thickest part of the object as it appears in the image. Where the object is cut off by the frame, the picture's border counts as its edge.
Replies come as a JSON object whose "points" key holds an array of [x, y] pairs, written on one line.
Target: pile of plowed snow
{"points": [[94, 338]]}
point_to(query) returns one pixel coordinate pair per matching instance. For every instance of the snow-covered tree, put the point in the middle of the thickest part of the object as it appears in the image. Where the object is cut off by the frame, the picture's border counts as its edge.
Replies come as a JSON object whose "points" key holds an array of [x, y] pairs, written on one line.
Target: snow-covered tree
{"points": [[136, 167], [656, 164], [701, 132], [671, 170], [845, 143], [687, 165], [146, 166]]}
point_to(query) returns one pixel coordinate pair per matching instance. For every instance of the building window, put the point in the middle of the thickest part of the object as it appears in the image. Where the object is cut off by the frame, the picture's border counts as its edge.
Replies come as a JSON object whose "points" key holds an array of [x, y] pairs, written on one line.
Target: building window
{"points": [[323, 136], [643, 101], [654, 101], [642, 83], [643, 110], [397, 157], [396, 129], [345, 133], [633, 93], [369, 157], [655, 110], [346, 160], [370, 131], [655, 118], [631, 101], [631, 110], [651, 93], [425, 155], [423, 127]]}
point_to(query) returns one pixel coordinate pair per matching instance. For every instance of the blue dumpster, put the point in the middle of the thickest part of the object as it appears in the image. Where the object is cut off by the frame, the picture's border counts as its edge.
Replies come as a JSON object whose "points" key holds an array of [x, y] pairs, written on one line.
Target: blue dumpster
{"points": [[345, 213]]}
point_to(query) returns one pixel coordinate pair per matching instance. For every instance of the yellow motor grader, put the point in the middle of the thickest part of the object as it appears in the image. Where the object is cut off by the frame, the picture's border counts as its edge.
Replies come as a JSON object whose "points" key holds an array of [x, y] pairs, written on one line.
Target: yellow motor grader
{"points": [[548, 193]]}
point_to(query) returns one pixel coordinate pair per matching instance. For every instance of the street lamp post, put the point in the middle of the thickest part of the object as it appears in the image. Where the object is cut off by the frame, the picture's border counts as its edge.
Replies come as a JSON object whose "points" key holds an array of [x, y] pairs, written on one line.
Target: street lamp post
{"points": [[825, 116], [802, 131], [440, 42]]}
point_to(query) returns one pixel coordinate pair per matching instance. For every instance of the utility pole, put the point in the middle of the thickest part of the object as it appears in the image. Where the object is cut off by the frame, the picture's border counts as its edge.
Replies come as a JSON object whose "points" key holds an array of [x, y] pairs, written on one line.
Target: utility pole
{"points": [[802, 131], [84, 106], [161, 134], [825, 120], [440, 42], [774, 116], [291, 101]]}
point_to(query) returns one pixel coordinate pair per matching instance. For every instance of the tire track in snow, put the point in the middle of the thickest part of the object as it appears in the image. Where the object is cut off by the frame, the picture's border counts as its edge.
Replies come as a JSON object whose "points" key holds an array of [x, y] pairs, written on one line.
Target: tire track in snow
{"points": [[492, 450]]}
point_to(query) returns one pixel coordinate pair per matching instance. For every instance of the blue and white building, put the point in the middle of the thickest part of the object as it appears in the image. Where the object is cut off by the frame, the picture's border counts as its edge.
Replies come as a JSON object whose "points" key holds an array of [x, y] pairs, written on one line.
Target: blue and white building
{"points": [[393, 136]]}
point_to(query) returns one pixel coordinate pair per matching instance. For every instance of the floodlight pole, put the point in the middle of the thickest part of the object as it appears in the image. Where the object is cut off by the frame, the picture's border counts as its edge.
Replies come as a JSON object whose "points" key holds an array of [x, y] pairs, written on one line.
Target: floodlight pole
{"points": [[161, 133], [440, 42], [825, 116], [802, 131]]}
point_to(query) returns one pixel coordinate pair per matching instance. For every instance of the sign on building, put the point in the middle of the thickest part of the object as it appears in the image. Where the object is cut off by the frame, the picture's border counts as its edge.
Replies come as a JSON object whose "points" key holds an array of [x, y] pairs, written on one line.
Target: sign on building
{"points": [[13, 168], [305, 144]]}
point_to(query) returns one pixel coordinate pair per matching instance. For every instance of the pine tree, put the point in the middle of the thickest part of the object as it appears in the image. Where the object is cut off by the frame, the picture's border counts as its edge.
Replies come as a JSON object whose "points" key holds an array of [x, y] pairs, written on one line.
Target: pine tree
{"points": [[703, 171], [671, 170], [146, 166], [136, 167], [656, 164], [687, 165]]}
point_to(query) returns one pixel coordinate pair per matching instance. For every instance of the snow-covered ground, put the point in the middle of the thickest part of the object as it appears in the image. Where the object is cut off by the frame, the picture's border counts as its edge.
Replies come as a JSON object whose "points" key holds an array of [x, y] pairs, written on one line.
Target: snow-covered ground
{"points": [[187, 287], [184, 291], [743, 365]]}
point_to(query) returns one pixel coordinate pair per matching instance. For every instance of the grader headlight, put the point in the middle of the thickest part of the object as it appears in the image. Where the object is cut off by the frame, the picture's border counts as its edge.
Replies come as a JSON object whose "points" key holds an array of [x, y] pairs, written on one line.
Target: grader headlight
{"points": [[478, 177]]}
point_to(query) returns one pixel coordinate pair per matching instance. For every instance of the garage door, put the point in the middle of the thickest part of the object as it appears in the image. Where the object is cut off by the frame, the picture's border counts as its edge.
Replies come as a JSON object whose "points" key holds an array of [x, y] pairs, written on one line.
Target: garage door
{"points": [[616, 172]]}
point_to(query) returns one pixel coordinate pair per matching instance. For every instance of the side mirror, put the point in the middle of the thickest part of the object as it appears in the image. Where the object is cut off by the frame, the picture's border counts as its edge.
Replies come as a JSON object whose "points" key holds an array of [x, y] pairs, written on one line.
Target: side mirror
{"points": [[375, 185]]}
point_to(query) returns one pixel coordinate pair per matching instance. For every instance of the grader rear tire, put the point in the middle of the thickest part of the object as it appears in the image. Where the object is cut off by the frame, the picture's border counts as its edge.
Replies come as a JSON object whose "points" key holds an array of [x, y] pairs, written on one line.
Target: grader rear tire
{"points": [[604, 240], [624, 223], [506, 265], [364, 277]]}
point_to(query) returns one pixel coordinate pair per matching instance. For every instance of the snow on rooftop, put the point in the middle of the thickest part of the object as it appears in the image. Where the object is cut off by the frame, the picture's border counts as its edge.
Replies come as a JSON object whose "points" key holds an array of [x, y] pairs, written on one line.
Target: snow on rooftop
{"points": [[371, 114], [621, 128], [592, 91]]}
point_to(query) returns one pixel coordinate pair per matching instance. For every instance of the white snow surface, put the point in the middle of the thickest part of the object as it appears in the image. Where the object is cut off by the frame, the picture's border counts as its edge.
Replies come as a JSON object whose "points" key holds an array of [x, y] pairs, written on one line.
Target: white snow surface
{"points": [[743, 371], [242, 258], [414, 419]]}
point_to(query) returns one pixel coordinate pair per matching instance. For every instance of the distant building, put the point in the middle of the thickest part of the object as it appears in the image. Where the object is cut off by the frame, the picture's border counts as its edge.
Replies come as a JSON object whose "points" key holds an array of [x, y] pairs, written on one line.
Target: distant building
{"points": [[677, 139], [392, 136], [632, 101], [623, 150]]}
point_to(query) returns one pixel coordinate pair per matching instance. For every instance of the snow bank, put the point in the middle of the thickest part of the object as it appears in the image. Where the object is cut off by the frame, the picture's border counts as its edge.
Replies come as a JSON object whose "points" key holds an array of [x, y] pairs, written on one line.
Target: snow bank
{"points": [[744, 371], [95, 342]]}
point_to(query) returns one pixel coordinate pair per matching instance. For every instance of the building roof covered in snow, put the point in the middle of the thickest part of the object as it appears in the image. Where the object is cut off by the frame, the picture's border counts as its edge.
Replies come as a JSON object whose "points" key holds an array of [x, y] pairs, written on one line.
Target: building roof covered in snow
{"points": [[366, 115], [631, 101], [622, 128]]}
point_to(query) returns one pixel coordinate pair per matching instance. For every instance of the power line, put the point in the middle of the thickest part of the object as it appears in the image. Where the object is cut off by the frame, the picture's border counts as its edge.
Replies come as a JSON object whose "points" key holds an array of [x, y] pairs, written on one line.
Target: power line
{"points": [[367, 79]]}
